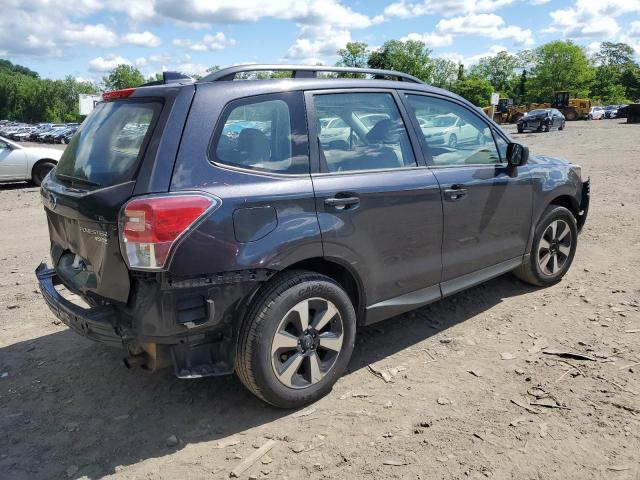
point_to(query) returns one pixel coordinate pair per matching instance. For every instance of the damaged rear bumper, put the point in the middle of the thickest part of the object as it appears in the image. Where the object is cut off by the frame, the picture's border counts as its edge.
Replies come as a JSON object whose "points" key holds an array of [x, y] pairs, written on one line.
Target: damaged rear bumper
{"points": [[96, 323], [187, 323]]}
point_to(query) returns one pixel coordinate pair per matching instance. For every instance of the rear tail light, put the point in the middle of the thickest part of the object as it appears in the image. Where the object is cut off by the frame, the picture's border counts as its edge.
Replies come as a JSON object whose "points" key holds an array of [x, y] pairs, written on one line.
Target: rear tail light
{"points": [[151, 226]]}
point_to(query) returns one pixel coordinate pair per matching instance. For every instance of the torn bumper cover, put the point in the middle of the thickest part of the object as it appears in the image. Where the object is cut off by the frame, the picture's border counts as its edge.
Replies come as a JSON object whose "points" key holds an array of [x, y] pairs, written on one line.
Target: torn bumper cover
{"points": [[96, 323], [584, 203]]}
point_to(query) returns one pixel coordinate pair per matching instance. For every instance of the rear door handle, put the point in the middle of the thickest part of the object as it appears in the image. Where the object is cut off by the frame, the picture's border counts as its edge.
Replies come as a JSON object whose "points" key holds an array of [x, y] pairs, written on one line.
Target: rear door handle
{"points": [[341, 202], [455, 192]]}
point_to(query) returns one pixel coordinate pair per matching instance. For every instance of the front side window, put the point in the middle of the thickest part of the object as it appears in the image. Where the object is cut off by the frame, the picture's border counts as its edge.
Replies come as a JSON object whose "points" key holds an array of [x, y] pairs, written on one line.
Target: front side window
{"points": [[258, 133], [452, 134], [361, 131]]}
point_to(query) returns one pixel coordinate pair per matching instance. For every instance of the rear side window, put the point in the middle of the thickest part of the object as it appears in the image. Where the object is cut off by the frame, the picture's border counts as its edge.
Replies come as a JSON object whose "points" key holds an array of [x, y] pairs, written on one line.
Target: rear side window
{"points": [[107, 148], [361, 131], [265, 133]]}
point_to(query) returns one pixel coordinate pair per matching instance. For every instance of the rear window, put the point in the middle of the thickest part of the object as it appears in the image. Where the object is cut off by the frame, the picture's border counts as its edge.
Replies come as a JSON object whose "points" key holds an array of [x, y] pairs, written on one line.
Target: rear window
{"points": [[107, 148]]}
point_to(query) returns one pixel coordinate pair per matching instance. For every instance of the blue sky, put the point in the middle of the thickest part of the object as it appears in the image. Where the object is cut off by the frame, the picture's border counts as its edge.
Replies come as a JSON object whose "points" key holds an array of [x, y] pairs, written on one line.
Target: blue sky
{"points": [[86, 38]]}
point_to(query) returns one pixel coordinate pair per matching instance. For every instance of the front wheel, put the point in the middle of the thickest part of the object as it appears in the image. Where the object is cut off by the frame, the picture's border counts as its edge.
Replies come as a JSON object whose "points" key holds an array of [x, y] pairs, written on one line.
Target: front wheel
{"points": [[296, 340], [453, 141], [561, 127], [554, 246]]}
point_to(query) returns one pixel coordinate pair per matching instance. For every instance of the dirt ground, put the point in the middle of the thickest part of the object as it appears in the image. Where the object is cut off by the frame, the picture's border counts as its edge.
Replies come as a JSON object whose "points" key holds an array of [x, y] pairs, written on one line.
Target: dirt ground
{"points": [[464, 373]]}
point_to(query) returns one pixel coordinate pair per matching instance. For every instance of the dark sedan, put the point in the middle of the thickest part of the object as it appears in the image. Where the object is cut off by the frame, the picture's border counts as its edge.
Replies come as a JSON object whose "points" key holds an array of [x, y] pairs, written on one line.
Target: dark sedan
{"points": [[541, 119]]}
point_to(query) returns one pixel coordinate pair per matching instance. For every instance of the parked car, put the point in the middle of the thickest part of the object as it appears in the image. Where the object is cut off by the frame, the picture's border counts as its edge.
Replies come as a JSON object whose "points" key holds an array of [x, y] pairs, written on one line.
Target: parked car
{"points": [[596, 113], [450, 130], [66, 136], [23, 163], [622, 111], [610, 111], [541, 119], [57, 136], [259, 251]]}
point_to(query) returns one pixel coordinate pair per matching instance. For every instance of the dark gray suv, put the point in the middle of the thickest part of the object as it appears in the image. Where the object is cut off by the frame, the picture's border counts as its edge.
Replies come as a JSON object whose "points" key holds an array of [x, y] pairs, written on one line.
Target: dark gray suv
{"points": [[251, 226]]}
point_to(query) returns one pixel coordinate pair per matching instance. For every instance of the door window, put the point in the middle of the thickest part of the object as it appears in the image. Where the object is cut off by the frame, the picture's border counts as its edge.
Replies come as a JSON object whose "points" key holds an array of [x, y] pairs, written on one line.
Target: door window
{"points": [[258, 133], [361, 131], [452, 134]]}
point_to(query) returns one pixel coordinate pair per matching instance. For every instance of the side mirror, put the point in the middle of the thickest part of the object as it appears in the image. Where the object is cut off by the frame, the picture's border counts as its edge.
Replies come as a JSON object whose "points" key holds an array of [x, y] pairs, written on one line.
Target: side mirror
{"points": [[517, 155]]}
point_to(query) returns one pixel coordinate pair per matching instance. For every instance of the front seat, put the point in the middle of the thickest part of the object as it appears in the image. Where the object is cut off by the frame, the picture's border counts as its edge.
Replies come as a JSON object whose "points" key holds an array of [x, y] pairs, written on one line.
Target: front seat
{"points": [[254, 147]]}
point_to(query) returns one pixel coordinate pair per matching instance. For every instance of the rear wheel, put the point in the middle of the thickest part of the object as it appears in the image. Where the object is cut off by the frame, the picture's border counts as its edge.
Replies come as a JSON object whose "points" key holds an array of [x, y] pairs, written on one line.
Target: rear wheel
{"points": [[41, 170], [553, 249], [547, 126], [296, 340]]}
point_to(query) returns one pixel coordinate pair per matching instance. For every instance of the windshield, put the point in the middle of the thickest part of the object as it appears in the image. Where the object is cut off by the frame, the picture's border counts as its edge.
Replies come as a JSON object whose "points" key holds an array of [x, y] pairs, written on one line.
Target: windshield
{"points": [[538, 111], [107, 148]]}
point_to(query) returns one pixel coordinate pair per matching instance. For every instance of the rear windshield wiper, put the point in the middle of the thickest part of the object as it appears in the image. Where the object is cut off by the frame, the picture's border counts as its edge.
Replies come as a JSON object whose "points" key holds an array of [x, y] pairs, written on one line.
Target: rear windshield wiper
{"points": [[77, 180]]}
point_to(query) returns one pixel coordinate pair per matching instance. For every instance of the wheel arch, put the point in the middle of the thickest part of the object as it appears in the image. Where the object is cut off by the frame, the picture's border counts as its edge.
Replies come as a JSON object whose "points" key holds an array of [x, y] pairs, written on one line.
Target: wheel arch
{"points": [[39, 162], [344, 275], [568, 202]]}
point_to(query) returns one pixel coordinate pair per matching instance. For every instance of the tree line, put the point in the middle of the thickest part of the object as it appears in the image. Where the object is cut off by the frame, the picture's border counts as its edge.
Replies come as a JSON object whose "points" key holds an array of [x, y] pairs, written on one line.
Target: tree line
{"points": [[26, 97], [609, 76]]}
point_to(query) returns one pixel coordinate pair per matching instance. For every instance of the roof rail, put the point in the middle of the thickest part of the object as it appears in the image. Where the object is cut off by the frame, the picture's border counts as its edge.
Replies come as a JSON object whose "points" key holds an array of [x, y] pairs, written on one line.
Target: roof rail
{"points": [[305, 71], [170, 77]]}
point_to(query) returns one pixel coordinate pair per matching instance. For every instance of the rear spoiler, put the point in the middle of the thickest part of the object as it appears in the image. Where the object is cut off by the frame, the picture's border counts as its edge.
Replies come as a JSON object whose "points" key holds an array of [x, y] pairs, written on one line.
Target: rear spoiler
{"points": [[171, 77]]}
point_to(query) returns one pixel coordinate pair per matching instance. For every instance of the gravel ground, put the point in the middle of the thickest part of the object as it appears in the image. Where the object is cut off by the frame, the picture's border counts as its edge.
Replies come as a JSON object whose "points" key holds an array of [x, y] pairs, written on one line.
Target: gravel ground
{"points": [[465, 372]]}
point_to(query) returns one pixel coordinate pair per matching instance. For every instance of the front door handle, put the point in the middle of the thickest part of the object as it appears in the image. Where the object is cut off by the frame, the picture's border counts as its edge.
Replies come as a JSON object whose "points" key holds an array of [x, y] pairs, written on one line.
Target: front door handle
{"points": [[455, 192], [341, 202]]}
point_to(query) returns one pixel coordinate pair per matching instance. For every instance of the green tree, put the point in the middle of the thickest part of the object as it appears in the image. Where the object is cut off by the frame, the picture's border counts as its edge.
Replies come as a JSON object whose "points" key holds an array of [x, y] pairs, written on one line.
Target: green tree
{"points": [[499, 69], [607, 87], [411, 57], [123, 76], [630, 80], [354, 54], [559, 66], [444, 73], [615, 54], [461, 73], [477, 90]]}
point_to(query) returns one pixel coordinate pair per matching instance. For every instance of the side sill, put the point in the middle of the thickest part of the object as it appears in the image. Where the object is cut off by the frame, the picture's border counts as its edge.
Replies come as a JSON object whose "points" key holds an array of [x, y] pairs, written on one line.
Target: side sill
{"points": [[403, 303], [462, 283]]}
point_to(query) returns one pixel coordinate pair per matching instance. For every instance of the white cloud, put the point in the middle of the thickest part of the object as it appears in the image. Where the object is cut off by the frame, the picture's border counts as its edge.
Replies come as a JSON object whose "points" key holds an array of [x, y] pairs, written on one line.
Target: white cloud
{"points": [[591, 18], [107, 63], [538, 2], [316, 42], [431, 40], [317, 12], [485, 25], [208, 43], [446, 8], [142, 39], [473, 59]]}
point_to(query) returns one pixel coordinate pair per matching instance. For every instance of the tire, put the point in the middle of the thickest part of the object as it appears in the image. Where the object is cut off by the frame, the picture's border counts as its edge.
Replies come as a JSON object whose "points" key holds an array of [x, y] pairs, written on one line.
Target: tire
{"points": [[560, 252], [571, 115], [520, 129], [41, 170], [561, 127], [272, 338], [547, 127], [453, 141]]}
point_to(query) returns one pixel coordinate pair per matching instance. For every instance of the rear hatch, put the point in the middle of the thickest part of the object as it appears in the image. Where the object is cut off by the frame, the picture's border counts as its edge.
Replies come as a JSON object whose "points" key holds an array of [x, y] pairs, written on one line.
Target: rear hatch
{"points": [[96, 175]]}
